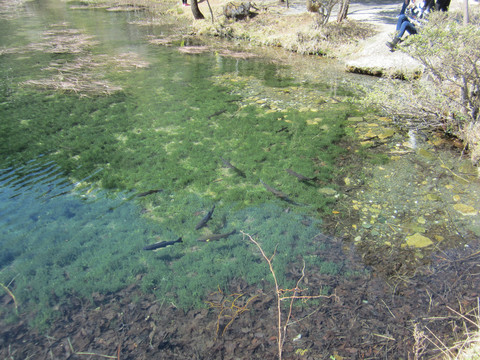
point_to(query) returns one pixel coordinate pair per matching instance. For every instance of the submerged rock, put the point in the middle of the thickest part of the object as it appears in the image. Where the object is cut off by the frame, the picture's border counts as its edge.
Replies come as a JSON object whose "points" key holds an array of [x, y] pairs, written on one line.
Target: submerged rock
{"points": [[465, 209], [418, 240]]}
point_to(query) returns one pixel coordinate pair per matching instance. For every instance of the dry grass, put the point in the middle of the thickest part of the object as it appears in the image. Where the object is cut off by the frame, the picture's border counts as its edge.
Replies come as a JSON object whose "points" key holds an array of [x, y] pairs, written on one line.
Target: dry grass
{"points": [[465, 349], [471, 135], [295, 32], [83, 76], [468, 349]]}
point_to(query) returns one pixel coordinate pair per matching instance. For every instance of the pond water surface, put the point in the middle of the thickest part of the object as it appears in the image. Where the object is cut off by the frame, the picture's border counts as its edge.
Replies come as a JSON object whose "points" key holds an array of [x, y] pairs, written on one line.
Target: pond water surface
{"points": [[111, 142]]}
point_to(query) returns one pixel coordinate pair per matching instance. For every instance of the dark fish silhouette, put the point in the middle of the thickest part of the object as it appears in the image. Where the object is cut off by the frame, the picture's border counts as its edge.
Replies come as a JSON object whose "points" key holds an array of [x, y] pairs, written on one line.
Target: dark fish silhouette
{"points": [[234, 168], [216, 113], [162, 244], [300, 177], [149, 192], [205, 219], [278, 193], [213, 237]]}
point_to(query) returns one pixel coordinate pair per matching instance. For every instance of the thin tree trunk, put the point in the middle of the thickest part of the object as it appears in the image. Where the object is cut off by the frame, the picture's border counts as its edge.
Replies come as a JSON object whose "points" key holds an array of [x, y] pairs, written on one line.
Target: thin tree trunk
{"points": [[197, 14], [211, 12], [342, 13], [466, 17]]}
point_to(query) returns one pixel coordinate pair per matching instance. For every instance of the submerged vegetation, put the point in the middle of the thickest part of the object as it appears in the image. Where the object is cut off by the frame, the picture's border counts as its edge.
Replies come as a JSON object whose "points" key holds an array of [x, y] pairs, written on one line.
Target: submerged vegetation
{"points": [[106, 151], [167, 133]]}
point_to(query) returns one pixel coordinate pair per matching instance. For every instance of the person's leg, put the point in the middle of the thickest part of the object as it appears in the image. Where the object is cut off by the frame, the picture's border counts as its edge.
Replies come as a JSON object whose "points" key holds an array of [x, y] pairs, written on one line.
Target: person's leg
{"points": [[401, 19], [407, 26], [403, 25]]}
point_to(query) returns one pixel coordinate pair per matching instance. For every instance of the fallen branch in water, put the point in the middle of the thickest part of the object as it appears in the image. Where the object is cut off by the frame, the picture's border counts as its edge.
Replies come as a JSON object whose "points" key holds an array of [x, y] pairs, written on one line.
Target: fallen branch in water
{"points": [[230, 307], [284, 294], [92, 354], [9, 292]]}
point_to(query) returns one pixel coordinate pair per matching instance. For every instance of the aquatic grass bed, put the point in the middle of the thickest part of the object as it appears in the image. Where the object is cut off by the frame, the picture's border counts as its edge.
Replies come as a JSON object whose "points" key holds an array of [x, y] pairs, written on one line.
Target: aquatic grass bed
{"points": [[167, 130], [78, 244]]}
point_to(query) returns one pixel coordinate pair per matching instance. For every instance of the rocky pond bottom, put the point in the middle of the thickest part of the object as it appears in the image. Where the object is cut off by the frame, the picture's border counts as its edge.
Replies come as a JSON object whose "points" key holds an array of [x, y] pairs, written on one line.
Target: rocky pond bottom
{"points": [[370, 316]]}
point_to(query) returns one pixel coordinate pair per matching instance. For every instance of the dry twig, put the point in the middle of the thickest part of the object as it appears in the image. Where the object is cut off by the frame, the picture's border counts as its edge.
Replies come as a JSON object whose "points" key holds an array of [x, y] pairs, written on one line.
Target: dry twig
{"points": [[229, 309], [283, 294]]}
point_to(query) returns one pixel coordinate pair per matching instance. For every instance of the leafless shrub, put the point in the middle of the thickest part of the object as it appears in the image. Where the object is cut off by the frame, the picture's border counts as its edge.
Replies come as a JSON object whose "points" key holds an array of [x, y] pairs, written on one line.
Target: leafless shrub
{"points": [[448, 95]]}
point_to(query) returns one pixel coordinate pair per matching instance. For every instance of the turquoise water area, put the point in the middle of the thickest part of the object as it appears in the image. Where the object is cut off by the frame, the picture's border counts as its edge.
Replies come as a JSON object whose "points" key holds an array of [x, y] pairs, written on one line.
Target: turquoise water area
{"points": [[92, 115]]}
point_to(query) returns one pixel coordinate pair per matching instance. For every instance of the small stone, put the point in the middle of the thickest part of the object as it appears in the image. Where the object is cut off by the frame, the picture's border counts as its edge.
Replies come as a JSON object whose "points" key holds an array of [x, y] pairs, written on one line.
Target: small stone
{"points": [[468, 168], [313, 121], [433, 197], [465, 209], [386, 134], [355, 118], [366, 143], [426, 154], [439, 238], [327, 191], [347, 181], [418, 241]]}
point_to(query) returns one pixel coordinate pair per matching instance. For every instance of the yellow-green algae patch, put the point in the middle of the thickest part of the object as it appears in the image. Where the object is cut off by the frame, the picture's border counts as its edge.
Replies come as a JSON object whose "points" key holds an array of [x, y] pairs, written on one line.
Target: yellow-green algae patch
{"points": [[419, 241], [466, 210]]}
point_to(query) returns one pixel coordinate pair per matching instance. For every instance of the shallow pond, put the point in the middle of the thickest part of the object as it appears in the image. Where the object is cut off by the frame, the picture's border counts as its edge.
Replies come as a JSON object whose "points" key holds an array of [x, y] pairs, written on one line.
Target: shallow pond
{"points": [[116, 136], [111, 142]]}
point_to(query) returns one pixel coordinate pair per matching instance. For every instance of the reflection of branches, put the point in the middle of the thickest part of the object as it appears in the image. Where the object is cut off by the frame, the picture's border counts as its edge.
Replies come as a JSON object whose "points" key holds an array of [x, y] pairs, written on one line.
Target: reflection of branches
{"points": [[284, 294], [229, 307]]}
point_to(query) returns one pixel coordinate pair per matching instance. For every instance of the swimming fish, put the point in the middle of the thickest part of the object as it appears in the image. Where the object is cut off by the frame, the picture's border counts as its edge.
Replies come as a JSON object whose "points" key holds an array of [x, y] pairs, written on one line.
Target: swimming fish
{"points": [[300, 177], [162, 244], [234, 168], [279, 194], [275, 192], [205, 219], [216, 113], [149, 192], [213, 237]]}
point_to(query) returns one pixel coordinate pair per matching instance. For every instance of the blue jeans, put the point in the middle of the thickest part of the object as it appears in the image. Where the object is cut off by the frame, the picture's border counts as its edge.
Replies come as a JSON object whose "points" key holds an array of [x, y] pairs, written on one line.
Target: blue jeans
{"points": [[404, 24]]}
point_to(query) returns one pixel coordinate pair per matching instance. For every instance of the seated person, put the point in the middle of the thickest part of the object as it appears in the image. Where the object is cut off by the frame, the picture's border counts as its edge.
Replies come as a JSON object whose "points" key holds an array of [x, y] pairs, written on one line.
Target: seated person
{"points": [[405, 24]]}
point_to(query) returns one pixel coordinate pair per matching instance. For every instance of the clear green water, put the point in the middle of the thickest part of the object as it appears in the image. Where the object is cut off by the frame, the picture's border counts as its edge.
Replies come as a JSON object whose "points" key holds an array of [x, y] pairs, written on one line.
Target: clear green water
{"points": [[74, 159]]}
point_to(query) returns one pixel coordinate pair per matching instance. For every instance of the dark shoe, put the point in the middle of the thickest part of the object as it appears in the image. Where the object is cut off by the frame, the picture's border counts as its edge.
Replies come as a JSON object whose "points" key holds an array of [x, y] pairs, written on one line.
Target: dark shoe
{"points": [[393, 44]]}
